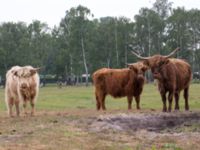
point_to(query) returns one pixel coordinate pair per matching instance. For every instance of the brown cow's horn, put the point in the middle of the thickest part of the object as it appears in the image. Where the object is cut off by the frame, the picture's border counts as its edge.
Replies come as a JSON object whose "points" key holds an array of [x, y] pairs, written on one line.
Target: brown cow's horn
{"points": [[138, 56], [172, 53], [34, 70]]}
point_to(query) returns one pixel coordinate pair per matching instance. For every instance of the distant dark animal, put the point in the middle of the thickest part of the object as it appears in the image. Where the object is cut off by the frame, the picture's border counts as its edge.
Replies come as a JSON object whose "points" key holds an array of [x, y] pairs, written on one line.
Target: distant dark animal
{"points": [[22, 85], [196, 75], [59, 84], [173, 75], [119, 83]]}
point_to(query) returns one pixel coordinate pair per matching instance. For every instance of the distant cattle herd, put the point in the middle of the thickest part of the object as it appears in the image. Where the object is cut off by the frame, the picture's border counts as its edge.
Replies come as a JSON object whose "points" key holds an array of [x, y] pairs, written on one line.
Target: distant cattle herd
{"points": [[173, 75]]}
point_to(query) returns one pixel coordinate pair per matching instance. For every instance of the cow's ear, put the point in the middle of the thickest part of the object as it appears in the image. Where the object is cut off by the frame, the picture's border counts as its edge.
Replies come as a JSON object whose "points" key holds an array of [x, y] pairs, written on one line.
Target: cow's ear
{"points": [[33, 71], [145, 68], [15, 73], [146, 62], [164, 62], [131, 67]]}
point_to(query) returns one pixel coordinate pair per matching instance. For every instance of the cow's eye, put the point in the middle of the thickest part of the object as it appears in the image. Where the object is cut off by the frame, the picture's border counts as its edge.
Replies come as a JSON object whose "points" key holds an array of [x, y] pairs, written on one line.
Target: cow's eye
{"points": [[161, 63], [160, 67]]}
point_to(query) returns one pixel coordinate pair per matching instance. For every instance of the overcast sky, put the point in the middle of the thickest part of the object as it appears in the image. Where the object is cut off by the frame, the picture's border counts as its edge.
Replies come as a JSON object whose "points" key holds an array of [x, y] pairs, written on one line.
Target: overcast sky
{"points": [[51, 11]]}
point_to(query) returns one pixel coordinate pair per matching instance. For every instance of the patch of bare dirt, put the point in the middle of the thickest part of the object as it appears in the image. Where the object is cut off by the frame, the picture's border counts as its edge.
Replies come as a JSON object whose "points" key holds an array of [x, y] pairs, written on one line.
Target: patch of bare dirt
{"points": [[154, 122]]}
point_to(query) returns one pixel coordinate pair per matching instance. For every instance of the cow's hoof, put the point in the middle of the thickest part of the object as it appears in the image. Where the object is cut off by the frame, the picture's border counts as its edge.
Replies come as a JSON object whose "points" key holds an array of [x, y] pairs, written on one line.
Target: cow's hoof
{"points": [[25, 114], [176, 110], [187, 109], [32, 114]]}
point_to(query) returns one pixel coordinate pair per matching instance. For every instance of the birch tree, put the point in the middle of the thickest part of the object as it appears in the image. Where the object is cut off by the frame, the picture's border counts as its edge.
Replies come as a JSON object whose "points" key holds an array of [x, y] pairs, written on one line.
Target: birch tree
{"points": [[75, 26]]}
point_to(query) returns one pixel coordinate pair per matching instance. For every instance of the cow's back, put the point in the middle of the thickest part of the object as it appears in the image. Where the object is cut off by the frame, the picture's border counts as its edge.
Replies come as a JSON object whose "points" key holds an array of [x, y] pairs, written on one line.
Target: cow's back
{"points": [[116, 82]]}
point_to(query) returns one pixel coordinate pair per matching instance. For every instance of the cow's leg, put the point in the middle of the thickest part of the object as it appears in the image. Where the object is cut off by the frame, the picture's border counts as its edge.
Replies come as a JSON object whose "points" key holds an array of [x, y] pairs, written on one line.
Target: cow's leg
{"points": [[163, 95], [17, 107], [186, 95], [176, 95], [130, 99], [98, 105], [10, 105], [170, 99], [103, 102], [100, 100], [32, 107], [24, 105], [137, 99]]}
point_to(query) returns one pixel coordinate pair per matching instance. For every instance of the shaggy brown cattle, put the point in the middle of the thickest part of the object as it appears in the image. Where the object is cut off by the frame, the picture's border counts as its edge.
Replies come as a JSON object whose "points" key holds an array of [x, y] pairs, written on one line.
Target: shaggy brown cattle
{"points": [[22, 84], [119, 83], [173, 75]]}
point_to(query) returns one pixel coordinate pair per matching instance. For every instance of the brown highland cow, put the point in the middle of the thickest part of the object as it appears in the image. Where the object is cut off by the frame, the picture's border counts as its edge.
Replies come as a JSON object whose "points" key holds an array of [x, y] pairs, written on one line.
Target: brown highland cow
{"points": [[173, 75], [119, 83]]}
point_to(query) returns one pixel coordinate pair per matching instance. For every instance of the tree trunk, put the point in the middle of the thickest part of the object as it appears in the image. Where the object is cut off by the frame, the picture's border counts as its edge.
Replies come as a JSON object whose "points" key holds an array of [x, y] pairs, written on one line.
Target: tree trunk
{"points": [[77, 80], [126, 57], [149, 47], [116, 45], [193, 52], [149, 37], [108, 62], [84, 60], [71, 68]]}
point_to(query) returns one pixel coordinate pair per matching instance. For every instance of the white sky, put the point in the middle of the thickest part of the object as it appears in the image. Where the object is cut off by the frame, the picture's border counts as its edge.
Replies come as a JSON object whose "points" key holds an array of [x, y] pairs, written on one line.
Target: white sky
{"points": [[51, 11]]}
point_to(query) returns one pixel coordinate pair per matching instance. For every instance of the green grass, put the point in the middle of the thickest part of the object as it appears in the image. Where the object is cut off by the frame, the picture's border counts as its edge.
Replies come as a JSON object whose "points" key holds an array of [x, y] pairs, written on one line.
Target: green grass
{"points": [[53, 98]]}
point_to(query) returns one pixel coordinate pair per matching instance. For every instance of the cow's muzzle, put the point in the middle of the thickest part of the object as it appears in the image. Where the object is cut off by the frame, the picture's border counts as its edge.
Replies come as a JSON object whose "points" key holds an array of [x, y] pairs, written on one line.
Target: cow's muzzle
{"points": [[156, 75]]}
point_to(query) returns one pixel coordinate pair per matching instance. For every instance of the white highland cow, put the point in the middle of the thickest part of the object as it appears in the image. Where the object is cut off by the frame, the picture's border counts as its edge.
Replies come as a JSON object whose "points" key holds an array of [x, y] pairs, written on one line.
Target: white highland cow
{"points": [[22, 84]]}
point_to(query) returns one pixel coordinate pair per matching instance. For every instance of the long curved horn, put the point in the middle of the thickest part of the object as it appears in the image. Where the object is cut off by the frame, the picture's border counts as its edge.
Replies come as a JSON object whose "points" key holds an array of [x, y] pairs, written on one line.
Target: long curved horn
{"points": [[140, 57], [173, 52]]}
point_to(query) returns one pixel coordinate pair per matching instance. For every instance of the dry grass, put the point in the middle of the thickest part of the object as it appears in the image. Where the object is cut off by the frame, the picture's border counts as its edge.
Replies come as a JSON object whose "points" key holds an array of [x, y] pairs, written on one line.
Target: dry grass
{"points": [[69, 130]]}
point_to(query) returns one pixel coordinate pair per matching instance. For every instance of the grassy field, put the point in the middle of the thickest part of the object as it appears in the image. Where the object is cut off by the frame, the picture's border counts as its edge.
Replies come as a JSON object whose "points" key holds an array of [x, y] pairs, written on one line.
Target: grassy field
{"points": [[61, 123], [53, 98]]}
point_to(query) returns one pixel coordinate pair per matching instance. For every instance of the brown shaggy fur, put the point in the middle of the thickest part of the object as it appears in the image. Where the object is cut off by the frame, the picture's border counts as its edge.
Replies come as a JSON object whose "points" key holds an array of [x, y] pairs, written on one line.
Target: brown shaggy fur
{"points": [[173, 75], [119, 83]]}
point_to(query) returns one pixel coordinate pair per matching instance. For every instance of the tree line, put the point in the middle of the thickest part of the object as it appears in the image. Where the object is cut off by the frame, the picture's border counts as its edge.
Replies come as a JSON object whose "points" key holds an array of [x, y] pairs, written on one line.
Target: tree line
{"points": [[82, 44]]}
